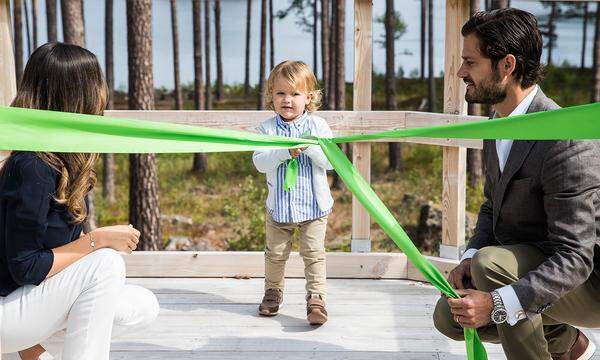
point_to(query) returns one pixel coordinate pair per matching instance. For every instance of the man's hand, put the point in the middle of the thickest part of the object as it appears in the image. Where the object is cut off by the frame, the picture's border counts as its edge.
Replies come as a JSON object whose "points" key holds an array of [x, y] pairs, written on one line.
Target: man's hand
{"points": [[473, 310], [460, 275]]}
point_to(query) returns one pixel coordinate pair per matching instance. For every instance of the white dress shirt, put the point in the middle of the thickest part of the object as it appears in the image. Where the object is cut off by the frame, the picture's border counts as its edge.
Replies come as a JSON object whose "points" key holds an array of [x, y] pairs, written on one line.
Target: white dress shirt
{"points": [[509, 297]]}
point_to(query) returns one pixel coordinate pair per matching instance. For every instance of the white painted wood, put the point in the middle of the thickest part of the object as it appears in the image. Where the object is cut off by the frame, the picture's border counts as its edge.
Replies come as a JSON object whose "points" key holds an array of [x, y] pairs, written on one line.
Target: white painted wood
{"points": [[251, 264]]}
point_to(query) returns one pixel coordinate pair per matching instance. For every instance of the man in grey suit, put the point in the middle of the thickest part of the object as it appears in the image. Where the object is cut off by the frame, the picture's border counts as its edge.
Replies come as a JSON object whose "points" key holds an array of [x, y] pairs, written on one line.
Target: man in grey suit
{"points": [[531, 272]]}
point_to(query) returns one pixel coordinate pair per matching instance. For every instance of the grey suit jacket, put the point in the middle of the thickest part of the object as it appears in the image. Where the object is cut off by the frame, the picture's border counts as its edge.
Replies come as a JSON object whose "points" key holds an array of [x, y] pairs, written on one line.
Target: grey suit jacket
{"points": [[548, 196]]}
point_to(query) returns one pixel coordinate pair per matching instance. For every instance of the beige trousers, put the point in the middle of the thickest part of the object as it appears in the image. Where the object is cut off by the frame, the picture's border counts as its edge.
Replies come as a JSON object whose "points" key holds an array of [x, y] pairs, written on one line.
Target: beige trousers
{"points": [[311, 248], [538, 337]]}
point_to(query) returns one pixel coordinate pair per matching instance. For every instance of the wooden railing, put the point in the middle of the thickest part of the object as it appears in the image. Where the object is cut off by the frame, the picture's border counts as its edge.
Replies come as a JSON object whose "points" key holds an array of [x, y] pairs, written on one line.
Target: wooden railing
{"points": [[350, 123], [361, 120]]}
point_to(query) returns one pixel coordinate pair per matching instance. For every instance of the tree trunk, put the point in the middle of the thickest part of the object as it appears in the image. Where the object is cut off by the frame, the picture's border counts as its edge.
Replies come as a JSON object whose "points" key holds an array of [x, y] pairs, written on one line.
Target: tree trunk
{"points": [[551, 32], [207, 89], [584, 42], [108, 178], [72, 22], [198, 75], [390, 76], [109, 51], [90, 222], [18, 18], [325, 49], [271, 36], [315, 43], [175, 32], [263, 45], [34, 15], [144, 212], [332, 61], [394, 148], [219, 89], [51, 19], [474, 6], [423, 35], [596, 68], [340, 74], [248, 32], [27, 31], [199, 161], [431, 74], [499, 4]]}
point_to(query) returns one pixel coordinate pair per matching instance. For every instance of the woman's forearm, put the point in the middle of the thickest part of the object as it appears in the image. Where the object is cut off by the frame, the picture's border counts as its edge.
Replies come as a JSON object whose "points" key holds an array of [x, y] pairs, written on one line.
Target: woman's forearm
{"points": [[69, 253]]}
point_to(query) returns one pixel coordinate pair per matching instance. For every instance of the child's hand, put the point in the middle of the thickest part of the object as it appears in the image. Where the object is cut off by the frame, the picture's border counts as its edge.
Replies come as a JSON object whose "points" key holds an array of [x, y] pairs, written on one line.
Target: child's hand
{"points": [[296, 152]]}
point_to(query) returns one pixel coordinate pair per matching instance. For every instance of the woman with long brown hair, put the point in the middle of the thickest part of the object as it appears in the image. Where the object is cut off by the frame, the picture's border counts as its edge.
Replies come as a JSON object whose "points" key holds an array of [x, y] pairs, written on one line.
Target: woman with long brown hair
{"points": [[61, 290]]}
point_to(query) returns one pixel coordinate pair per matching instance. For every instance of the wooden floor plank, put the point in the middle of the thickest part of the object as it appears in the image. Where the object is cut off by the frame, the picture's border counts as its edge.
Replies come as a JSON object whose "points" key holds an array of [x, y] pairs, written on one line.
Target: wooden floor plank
{"points": [[217, 319]]}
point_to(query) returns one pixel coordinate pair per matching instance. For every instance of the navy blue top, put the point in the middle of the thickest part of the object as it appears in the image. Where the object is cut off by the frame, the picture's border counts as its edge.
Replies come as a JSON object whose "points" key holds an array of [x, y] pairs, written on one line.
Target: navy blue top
{"points": [[31, 222]]}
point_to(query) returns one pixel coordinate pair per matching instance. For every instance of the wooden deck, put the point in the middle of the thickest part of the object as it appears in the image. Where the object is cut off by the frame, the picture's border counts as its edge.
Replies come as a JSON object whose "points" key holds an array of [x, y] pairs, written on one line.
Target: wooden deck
{"points": [[216, 318]]}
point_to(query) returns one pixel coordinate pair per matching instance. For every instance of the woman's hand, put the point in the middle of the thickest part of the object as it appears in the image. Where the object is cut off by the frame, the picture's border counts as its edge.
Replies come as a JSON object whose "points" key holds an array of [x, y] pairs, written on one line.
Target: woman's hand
{"points": [[122, 238]]}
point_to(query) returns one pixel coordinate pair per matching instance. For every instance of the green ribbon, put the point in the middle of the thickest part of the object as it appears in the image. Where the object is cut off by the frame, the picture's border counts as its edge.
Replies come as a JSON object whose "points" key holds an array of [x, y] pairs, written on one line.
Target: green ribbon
{"points": [[39, 130], [382, 215], [291, 174]]}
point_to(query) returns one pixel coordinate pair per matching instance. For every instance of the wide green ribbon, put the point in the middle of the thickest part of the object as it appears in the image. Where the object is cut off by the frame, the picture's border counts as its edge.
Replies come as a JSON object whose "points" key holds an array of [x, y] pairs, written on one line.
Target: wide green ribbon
{"points": [[38, 130], [382, 215]]}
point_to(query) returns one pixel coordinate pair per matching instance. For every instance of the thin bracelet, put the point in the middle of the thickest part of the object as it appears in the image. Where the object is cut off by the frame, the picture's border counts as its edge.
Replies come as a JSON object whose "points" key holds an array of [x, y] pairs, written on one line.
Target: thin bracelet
{"points": [[92, 242]]}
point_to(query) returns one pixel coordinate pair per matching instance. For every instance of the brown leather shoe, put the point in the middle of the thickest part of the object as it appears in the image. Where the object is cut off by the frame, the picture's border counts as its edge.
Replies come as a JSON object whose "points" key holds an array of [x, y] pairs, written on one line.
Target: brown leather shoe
{"points": [[315, 310], [583, 349], [270, 302]]}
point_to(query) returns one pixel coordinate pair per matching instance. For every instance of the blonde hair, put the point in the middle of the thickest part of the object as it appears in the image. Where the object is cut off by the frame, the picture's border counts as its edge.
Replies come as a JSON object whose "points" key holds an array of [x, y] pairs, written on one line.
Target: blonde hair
{"points": [[300, 77], [65, 77]]}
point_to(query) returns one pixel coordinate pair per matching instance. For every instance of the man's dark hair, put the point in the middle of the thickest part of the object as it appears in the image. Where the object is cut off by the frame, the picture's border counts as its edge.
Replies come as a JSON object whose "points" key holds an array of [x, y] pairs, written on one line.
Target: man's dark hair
{"points": [[509, 31]]}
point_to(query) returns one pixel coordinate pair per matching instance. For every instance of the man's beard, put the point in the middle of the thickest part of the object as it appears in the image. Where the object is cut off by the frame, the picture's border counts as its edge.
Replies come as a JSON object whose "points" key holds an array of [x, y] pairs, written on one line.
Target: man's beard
{"points": [[488, 91]]}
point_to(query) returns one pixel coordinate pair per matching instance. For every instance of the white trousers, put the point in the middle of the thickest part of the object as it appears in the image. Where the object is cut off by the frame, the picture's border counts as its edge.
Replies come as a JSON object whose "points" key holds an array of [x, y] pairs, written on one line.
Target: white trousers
{"points": [[72, 313]]}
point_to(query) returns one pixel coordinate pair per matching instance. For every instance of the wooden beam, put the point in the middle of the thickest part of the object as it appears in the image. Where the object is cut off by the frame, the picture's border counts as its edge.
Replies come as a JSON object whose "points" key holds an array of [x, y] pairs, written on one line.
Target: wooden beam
{"points": [[341, 122], [443, 265], [454, 158], [361, 152], [236, 264], [252, 264], [8, 78]]}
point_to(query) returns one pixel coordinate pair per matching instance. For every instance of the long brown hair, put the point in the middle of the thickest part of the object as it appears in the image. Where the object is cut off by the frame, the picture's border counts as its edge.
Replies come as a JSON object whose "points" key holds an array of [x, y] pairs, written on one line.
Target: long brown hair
{"points": [[65, 77]]}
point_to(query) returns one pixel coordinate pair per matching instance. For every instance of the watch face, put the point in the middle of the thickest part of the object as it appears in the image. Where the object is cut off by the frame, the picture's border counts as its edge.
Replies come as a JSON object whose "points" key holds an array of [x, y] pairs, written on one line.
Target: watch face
{"points": [[499, 316]]}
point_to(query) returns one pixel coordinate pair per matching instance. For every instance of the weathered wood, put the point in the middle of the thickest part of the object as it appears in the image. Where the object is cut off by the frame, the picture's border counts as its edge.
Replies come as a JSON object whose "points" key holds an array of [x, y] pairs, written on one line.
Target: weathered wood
{"points": [[361, 152], [341, 122], [216, 319], [251, 264], [443, 265], [8, 85], [454, 158]]}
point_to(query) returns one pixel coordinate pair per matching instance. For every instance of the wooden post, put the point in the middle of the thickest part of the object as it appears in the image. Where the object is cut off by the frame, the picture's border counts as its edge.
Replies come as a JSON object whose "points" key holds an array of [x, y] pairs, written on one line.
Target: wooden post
{"points": [[8, 81], [454, 158], [361, 152]]}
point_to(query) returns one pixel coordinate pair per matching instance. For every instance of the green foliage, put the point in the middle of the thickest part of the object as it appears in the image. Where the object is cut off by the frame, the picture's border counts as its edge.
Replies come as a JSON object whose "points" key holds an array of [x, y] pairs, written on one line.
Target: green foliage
{"points": [[245, 213], [398, 26], [303, 10]]}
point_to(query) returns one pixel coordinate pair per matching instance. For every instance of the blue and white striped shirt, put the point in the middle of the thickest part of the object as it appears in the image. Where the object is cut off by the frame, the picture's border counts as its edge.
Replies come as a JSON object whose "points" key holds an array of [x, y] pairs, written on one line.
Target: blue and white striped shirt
{"points": [[299, 203]]}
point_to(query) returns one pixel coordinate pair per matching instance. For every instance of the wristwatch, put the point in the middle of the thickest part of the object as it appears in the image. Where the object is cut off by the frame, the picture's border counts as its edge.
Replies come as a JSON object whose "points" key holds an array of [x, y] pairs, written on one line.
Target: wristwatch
{"points": [[499, 313]]}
